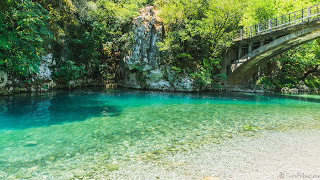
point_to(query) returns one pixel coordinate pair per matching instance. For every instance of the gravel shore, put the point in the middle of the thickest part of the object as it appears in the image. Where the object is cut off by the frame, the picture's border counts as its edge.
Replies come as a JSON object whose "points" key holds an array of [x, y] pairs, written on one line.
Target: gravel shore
{"points": [[271, 155]]}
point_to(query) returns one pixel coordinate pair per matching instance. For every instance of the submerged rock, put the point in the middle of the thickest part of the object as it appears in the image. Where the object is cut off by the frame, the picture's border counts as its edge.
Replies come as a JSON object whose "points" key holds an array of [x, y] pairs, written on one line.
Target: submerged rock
{"points": [[26, 176], [79, 173], [31, 143], [211, 178], [2, 174], [34, 168], [113, 167]]}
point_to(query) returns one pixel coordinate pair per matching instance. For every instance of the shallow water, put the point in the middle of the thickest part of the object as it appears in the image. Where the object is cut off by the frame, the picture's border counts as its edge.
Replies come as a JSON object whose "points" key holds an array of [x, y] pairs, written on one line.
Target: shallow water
{"points": [[50, 135]]}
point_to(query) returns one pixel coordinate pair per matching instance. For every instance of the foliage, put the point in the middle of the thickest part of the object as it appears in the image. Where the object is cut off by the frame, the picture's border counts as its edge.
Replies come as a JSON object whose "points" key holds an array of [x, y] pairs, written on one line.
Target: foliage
{"points": [[89, 38], [313, 82], [24, 37], [81, 34], [265, 83], [258, 11], [69, 71], [205, 73], [197, 29], [198, 32], [296, 65]]}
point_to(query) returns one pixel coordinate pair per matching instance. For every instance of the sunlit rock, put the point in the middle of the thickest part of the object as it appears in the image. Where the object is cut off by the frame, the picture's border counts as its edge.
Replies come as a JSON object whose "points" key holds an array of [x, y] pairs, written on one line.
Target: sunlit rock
{"points": [[142, 68], [3, 79], [44, 70]]}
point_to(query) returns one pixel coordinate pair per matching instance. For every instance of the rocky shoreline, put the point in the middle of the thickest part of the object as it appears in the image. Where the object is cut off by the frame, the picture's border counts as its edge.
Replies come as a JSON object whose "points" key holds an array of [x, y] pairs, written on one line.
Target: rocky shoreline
{"points": [[271, 155], [45, 86], [268, 155]]}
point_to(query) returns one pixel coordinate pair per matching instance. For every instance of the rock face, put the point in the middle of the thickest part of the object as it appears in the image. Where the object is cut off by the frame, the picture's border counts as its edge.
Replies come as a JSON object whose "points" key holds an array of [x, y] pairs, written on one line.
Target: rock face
{"points": [[44, 70], [42, 82], [3, 79], [141, 67], [301, 87], [147, 31]]}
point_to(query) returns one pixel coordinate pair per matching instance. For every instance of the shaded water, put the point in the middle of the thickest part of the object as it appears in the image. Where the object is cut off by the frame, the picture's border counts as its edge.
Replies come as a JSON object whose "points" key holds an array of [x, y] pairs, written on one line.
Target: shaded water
{"points": [[53, 134]]}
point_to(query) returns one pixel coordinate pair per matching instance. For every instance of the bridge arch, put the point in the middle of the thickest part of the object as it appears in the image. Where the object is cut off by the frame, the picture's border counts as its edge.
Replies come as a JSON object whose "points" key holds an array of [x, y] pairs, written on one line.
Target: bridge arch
{"points": [[259, 43]]}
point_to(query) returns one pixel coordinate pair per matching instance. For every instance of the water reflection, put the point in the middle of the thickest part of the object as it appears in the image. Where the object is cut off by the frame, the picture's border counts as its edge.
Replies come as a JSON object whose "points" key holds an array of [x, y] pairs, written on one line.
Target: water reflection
{"points": [[310, 97], [30, 110]]}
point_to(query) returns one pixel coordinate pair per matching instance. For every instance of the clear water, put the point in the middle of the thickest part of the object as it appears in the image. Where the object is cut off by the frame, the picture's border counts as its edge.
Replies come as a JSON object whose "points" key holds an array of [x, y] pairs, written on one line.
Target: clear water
{"points": [[50, 135]]}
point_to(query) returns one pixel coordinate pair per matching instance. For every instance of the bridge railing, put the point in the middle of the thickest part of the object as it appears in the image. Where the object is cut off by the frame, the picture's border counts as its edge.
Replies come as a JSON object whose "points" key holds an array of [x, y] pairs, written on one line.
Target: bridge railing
{"points": [[287, 20]]}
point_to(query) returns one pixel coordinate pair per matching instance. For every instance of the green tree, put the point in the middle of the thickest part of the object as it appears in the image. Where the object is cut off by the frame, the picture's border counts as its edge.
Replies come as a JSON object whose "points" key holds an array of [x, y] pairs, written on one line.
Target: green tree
{"points": [[198, 32], [24, 37]]}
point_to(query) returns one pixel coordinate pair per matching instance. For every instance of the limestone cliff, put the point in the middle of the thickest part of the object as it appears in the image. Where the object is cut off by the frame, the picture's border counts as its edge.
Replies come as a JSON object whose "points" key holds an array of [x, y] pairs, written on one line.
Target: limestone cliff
{"points": [[141, 67]]}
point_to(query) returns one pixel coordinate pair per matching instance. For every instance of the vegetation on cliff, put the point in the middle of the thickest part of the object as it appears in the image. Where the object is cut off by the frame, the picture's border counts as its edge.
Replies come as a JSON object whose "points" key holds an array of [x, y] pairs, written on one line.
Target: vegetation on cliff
{"points": [[89, 38], [85, 37], [197, 34], [25, 34]]}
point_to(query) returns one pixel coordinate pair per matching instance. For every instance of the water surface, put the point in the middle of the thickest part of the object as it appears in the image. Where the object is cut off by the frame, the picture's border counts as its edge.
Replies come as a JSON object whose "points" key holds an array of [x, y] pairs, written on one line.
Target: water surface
{"points": [[50, 135]]}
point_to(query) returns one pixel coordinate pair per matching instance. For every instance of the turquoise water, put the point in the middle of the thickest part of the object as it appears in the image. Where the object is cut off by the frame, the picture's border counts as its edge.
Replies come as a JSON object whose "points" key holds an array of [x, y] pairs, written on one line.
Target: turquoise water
{"points": [[47, 136]]}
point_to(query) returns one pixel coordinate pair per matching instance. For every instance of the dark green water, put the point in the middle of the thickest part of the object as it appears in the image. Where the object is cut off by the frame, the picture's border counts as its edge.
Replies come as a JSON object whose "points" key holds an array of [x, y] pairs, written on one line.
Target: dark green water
{"points": [[46, 135]]}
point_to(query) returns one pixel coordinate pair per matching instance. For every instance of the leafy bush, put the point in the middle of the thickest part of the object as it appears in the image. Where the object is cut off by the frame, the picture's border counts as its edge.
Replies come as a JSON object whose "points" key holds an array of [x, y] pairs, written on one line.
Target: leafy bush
{"points": [[312, 82], [24, 37], [265, 84], [197, 29], [69, 71], [197, 34]]}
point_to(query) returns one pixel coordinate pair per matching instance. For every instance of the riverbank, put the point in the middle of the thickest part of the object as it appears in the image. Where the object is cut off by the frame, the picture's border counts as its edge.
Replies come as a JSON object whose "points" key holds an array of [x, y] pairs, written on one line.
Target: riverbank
{"points": [[46, 86], [271, 155]]}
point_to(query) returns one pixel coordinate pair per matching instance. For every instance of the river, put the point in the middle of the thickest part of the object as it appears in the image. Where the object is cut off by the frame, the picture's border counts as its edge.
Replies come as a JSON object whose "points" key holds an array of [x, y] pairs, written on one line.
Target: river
{"points": [[92, 132]]}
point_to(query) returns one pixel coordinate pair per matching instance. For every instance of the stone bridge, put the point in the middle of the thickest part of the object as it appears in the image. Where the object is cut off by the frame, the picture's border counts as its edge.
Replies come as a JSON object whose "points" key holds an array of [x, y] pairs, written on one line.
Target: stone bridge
{"points": [[256, 44]]}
